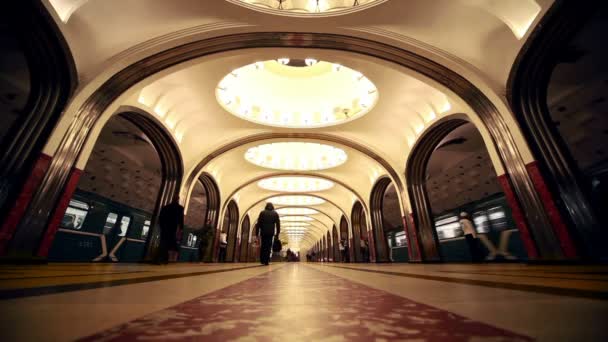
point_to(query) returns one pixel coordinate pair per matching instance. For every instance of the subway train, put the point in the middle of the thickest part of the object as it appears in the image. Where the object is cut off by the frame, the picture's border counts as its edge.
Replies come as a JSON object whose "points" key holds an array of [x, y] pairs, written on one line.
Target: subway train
{"points": [[498, 237], [95, 228]]}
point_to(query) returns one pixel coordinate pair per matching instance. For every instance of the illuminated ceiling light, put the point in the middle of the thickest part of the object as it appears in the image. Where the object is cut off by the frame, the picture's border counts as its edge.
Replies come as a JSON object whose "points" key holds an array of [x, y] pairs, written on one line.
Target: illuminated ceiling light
{"points": [[296, 218], [295, 184], [310, 7], [296, 156], [295, 229], [297, 211], [321, 95], [446, 107], [296, 200], [310, 61], [295, 224]]}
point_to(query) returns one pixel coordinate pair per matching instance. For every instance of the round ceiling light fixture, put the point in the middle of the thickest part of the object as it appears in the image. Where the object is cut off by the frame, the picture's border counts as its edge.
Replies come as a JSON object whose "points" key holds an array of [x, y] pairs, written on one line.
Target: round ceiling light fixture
{"points": [[296, 200], [295, 184], [296, 93], [296, 156], [297, 211], [308, 7]]}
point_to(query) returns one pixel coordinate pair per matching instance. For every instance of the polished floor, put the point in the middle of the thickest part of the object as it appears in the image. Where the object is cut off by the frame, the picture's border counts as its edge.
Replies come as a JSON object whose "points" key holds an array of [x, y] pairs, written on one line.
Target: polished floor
{"points": [[303, 302]]}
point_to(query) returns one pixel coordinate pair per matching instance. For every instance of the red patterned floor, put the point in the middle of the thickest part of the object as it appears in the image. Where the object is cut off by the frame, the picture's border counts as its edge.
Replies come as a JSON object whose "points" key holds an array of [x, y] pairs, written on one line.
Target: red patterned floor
{"points": [[298, 303]]}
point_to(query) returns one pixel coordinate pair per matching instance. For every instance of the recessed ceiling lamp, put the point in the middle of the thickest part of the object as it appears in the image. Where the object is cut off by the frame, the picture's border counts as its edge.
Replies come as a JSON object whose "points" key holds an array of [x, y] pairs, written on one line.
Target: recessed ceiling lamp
{"points": [[296, 200], [297, 211], [295, 184], [295, 218], [296, 156], [296, 93]]}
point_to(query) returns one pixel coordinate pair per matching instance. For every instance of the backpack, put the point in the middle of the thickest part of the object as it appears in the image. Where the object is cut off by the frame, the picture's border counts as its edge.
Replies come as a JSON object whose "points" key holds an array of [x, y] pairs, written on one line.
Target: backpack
{"points": [[277, 245]]}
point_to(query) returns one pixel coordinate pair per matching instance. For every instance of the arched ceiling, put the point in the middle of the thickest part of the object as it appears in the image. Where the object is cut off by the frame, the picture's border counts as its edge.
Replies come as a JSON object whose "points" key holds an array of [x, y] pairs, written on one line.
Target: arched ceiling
{"points": [[479, 39], [487, 34]]}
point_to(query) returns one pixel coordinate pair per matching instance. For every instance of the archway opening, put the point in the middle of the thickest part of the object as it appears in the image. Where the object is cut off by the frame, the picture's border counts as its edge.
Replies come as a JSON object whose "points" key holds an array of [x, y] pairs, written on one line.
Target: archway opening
{"points": [[329, 251], [201, 221], [459, 180], [230, 227], [37, 79], [336, 244], [245, 235], [576, 101], [347, 253], [360, 236], [387, 225], [111, 213]]}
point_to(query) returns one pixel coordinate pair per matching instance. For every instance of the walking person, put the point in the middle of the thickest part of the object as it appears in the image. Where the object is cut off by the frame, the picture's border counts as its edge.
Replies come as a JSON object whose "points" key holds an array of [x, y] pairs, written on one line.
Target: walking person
{"points": [[470, 234], [171, 221], [364, 250], [267, 227], [223, 246]]}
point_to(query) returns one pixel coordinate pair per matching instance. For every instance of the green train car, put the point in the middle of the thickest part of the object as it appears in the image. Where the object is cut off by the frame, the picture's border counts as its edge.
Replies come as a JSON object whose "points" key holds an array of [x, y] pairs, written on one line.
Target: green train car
{"points": [[95, 228], [497, 236]]}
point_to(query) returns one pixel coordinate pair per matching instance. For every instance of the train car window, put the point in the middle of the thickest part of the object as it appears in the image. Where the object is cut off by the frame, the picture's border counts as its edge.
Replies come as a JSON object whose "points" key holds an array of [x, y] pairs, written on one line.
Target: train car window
{"points": [[400, 239], [75, 214], [124, 225], [498, 218], [448, 228], [110, 222], [191, 241], [482, 222], [145, 229]]}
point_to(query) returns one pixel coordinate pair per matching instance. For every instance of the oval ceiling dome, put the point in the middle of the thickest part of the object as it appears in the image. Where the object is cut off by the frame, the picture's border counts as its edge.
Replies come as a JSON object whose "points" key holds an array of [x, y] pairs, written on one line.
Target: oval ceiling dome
{"points": [[296, 93], [296, 156]]}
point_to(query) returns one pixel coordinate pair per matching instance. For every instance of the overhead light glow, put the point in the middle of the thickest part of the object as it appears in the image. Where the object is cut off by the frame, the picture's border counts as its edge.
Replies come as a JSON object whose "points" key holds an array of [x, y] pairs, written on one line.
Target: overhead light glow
{"points": [[296, 93], [296, 156], [297, 211], [296, 218], [295, 224], [311, 7], [295, 184], [296, 200], [310, 61]]}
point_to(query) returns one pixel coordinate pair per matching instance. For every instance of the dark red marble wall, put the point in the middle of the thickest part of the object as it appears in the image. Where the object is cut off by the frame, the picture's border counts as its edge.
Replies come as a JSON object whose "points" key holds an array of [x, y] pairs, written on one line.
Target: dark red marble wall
{"points": [[559, 227], [416, 254], [23, 200], [62, 205], [518, 217], [372, 245]]}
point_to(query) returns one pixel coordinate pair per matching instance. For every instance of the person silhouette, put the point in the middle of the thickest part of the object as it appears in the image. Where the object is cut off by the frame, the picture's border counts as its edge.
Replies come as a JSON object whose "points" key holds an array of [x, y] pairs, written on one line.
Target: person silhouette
{"points": [[171, 222], [265, 230]]}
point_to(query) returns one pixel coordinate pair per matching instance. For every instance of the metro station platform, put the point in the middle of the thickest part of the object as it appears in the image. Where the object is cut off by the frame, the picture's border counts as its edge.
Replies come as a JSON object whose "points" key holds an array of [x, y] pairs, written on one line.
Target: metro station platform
{"points": [[303, 302]]}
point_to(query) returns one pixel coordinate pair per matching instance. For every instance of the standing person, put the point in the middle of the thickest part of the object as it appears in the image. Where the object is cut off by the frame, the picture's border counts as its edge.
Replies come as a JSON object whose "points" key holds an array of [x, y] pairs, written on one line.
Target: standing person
{"points": [[364, 252], [205, 237], [470, 235], [171, 221], [223, 246], [265, 229], [344, 250], [341, 248]]}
